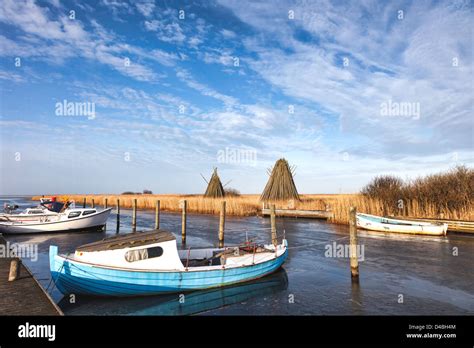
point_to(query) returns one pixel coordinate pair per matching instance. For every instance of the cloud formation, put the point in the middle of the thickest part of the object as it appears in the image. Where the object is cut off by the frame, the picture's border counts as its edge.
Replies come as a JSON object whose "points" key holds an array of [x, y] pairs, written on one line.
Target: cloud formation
{"points": [[174, 85]]}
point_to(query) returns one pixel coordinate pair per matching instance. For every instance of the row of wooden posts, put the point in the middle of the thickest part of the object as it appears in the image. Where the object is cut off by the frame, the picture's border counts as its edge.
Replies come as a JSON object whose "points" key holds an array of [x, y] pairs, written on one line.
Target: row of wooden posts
{"points": [[16, 263], [354, 262], [184, 206]]}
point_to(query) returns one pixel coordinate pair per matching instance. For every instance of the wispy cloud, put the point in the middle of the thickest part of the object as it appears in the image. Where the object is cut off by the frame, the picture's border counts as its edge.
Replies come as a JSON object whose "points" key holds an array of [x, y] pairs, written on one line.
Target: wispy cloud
{"points": [[56, 40], [175, 88], [187, 78], [146, 8], [387, 59]]}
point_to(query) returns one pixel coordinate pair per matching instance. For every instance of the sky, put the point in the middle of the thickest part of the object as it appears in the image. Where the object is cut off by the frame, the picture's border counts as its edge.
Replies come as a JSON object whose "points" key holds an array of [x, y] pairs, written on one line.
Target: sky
{"points": [[109, 96]]}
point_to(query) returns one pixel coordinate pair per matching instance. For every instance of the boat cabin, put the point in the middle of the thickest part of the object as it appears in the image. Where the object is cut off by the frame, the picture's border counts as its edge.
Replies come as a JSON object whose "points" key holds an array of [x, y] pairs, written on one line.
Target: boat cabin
{"points": [[144, 250], [157, 250]]}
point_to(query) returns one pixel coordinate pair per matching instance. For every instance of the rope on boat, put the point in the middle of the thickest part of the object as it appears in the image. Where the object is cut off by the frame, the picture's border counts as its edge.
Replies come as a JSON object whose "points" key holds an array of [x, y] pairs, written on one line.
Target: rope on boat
{"points": [[52, 279]]}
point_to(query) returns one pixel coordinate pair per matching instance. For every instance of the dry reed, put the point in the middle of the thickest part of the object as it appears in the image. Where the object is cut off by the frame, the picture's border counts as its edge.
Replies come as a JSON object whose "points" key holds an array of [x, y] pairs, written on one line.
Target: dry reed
{"points": [[247, 205]]}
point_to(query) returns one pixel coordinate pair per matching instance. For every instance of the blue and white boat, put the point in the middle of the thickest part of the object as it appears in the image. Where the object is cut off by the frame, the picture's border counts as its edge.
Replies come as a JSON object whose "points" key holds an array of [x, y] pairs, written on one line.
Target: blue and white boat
{"points": [[384, 224], [149, 263]]}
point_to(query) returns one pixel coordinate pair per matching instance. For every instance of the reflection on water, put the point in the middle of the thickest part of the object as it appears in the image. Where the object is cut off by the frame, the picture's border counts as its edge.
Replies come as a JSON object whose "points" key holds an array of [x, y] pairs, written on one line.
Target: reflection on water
{"points": [[422, 268], [356, 297], [179, 304]]}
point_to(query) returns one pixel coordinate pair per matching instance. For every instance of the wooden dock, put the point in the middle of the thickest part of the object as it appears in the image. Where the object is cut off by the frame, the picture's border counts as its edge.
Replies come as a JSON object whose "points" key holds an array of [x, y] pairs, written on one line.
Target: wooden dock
{"points": [[312, 214], [453, 225], [25, 295]]}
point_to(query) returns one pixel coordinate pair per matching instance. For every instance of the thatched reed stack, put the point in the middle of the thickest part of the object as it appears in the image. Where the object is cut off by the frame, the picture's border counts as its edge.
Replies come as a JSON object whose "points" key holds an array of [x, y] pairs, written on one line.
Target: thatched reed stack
{"points": [[280, 185], [214, 187]]}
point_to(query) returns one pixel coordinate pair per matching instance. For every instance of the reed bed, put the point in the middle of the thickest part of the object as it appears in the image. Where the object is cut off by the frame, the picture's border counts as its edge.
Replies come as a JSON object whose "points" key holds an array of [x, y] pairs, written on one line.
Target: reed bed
{"points": [[244, 205], [250, 205]]}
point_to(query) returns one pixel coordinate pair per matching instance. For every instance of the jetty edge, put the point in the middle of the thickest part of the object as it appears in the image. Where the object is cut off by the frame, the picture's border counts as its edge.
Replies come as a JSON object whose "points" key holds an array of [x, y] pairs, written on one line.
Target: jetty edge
{"points": [[24, 295]]}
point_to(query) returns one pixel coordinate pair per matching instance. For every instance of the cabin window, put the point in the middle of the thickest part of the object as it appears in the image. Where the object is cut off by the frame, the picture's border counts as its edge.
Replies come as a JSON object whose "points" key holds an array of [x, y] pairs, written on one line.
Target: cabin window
{"points": [[73, 214], [35, 212], [143, 254], [88, 212]]}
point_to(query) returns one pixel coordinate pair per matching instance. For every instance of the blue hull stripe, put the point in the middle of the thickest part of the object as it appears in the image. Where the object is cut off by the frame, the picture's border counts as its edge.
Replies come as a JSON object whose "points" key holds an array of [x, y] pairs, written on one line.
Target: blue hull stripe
{"points": [[80, 278]]}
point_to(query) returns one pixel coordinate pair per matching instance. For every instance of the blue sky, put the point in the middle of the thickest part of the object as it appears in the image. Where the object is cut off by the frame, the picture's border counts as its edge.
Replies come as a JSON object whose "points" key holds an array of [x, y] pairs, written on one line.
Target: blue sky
{"points": [[177, 84]]}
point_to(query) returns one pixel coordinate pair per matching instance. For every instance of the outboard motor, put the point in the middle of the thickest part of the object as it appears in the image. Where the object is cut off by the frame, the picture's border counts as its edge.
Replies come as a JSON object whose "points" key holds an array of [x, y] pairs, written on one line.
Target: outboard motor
{"points": [[9, 207]]}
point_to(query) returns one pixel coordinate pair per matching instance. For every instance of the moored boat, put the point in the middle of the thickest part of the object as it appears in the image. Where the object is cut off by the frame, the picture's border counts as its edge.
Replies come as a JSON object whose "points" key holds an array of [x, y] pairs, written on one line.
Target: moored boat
{"points": [[47, 207], [53, 216], [148, 263], [384, 224]]}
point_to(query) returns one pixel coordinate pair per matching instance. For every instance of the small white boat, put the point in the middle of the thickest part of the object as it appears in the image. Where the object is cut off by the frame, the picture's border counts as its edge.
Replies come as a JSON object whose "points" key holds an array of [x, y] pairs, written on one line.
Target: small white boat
{"points": [[148, 263], [383, 224], [29, 214], [53, 217], [47, 207]]}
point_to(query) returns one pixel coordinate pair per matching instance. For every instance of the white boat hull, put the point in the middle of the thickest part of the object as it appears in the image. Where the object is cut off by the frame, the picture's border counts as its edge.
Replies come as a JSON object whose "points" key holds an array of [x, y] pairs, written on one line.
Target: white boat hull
{"points": [[91, 221], [381, 224]]}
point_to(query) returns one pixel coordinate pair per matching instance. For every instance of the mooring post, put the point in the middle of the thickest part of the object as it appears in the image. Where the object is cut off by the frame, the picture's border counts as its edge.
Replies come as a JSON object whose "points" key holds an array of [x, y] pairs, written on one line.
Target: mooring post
{"points": [[118, 215], [105, 203], [134, 215], [157, 215], [222, 225], [183, 223], [93, 203], [15, 266], [273, 224], [353, 244], [84, 202]]}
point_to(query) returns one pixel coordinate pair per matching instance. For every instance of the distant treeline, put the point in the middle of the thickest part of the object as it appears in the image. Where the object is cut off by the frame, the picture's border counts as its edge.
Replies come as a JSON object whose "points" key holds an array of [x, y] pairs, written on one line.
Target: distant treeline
{"points": [[145, 192], [449, 191], [229, 192]]}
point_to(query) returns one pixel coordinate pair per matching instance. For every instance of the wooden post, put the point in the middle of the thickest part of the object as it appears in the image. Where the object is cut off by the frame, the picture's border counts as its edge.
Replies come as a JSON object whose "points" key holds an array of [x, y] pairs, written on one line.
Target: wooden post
{"points": [[15, 267], [118, 215], [93, 203], [273, 224], [157, 215], [84, 202], [222, 225], [353, 244], [183, 223], [105, 203], [134, 215]]}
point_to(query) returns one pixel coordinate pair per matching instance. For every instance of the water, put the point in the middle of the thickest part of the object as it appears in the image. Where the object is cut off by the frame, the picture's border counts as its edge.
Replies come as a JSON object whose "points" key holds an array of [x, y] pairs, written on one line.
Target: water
{"points": [[420, 270]]}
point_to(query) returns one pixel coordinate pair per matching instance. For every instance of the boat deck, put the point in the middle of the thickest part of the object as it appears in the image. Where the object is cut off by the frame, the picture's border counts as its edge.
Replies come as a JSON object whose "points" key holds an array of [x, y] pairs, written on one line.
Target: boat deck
{"points": [[128, 240], [23, 296]]}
